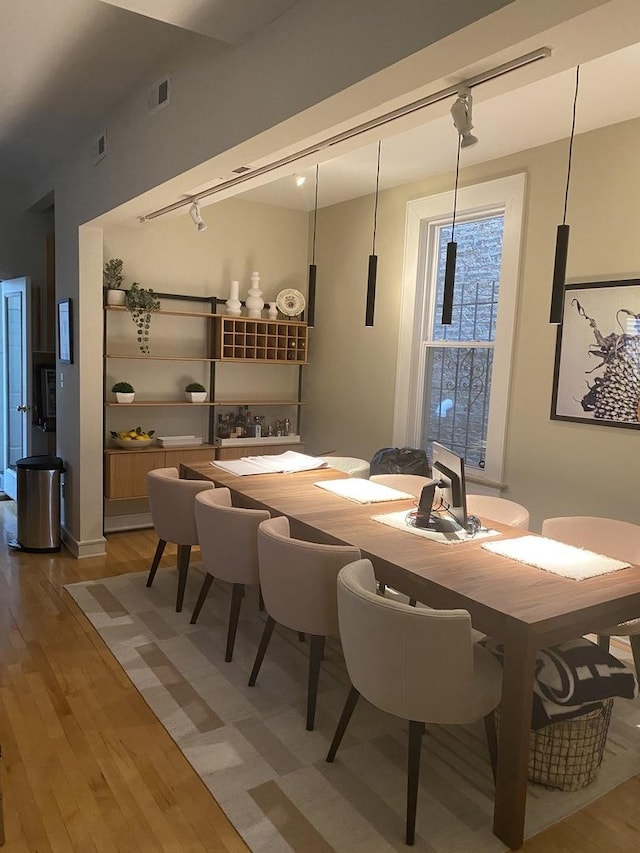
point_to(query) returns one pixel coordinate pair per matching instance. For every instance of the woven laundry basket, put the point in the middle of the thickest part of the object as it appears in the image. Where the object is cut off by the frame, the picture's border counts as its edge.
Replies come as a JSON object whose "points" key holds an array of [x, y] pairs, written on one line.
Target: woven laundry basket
{"points": [[566, 754]]}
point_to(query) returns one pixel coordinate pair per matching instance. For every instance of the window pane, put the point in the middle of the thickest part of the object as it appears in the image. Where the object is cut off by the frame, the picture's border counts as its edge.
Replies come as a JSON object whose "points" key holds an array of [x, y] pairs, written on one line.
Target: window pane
{"points": [[456, 400], [475, 301]]}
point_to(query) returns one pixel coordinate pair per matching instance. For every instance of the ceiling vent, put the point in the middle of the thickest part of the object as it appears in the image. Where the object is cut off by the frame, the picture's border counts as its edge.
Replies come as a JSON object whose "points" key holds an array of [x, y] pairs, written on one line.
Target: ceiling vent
{"points": [[99, 147], [241, 170], [159, 95]]}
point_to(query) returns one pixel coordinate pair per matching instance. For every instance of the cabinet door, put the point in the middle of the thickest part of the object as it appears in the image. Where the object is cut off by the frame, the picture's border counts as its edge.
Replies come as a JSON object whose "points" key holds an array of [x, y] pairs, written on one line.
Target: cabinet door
{"points": [[196, 454], [229, 452], [126, 473]]}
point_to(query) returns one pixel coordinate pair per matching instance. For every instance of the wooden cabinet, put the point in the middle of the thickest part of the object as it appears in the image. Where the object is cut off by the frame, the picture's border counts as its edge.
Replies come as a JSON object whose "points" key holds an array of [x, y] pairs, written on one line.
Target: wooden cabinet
{"points": [[256, 450], [126, 470]]}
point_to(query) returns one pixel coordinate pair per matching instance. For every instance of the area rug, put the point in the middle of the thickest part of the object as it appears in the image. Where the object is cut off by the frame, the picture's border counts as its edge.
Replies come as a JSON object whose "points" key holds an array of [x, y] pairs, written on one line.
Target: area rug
{"points": [[250, 746]]}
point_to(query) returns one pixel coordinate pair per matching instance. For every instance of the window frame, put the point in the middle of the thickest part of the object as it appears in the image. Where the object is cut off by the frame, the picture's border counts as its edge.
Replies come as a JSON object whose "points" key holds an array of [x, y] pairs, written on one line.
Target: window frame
{"points": [[423, 216]]}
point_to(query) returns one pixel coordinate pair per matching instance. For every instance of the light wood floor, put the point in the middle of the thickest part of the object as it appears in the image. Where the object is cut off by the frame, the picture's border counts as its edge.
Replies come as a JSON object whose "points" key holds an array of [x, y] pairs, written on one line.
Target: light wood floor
{"points": [[87, 767]]}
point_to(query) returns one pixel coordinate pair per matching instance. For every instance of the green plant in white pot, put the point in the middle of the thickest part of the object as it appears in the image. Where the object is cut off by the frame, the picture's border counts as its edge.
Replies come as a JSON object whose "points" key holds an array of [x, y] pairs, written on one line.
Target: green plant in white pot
{"points": [[195, 392], [113, 277], [141, 303], [124, 392]]}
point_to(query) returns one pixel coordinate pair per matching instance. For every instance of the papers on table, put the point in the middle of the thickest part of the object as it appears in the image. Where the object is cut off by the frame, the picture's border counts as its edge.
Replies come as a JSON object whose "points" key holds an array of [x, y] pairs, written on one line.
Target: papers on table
{"points": [[289, 462], [362, 491]]}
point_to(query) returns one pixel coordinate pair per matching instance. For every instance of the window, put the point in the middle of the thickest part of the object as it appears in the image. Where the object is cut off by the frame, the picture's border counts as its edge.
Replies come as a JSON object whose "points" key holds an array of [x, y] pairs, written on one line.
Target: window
{"points": [[452, 382]]}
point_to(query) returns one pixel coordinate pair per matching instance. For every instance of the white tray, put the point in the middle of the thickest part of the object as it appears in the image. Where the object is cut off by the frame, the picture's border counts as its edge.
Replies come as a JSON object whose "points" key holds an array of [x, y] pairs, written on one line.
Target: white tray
{"points": [[247, 442], [181, 441]]}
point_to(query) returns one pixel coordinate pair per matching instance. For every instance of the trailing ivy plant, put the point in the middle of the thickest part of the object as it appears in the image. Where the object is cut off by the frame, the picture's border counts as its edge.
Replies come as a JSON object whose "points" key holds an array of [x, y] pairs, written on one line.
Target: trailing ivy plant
{"points": [[141, 303]]}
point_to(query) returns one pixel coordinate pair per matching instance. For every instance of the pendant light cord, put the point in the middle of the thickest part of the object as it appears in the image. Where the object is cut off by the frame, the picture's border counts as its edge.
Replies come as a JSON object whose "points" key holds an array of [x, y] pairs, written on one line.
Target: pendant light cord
{"points": [[455, 192], [573, 129], [315, 218], [375, 207]]}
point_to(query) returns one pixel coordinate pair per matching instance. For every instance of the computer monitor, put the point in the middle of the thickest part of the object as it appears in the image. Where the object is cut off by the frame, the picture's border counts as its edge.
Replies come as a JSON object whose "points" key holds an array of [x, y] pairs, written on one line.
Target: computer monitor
{"points": [[447, 471]]}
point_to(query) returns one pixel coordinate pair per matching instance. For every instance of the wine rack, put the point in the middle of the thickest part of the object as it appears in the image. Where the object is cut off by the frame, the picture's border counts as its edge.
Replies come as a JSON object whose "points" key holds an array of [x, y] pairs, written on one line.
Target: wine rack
{"points": [[274, 341]]}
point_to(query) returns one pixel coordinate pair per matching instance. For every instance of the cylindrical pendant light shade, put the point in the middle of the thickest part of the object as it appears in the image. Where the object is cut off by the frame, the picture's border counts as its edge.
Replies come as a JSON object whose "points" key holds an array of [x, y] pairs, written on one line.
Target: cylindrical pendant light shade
{"points": [[371, 290], [559, 274], [311, 295], [449, 283]]}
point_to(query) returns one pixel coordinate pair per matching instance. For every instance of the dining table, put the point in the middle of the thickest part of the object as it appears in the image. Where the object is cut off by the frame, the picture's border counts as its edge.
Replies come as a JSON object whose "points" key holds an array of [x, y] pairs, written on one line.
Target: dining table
{"points": [[523, 607]]}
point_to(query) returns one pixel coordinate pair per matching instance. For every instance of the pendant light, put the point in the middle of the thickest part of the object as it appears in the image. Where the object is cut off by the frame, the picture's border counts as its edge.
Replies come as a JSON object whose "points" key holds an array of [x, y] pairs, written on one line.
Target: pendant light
{"points": [[311, 289], [452, 250], [373, 258], [562, 235]]}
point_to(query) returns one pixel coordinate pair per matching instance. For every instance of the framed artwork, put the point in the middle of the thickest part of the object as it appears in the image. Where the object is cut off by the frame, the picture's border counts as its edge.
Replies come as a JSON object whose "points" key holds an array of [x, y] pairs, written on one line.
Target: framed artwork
{"points": [[65, 331], [597, 367]]}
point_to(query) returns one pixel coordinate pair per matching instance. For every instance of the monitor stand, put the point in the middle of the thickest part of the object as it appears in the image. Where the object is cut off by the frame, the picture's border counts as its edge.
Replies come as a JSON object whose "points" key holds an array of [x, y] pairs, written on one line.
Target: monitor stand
{"points": [[436, 524]]}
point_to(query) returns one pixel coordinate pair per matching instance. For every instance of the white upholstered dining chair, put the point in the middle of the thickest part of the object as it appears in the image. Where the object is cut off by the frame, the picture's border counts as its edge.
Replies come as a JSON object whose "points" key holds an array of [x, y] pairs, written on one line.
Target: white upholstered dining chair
{"points": [[498, 509], [172, 514], [228, 538], [412, 484], [350, 465], [418, 664], [613, 538], [298, 583]]}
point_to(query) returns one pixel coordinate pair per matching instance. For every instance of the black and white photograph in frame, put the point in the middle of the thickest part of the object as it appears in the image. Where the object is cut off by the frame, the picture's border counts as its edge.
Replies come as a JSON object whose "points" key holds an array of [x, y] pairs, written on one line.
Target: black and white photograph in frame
{"points": [[597, 366]]}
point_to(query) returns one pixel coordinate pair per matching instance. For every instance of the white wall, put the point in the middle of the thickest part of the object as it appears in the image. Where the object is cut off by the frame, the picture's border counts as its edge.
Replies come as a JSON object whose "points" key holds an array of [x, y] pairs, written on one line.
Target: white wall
{"points": [[553, 467]]}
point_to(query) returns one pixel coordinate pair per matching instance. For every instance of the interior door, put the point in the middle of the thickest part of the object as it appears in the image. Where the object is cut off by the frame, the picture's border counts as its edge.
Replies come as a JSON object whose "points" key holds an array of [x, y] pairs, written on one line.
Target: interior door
{"points": [[15, 317]]}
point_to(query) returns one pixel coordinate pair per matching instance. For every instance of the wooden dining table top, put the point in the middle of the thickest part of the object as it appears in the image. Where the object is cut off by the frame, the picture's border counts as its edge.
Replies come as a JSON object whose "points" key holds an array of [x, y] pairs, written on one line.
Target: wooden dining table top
{"points": [[491, 586]]}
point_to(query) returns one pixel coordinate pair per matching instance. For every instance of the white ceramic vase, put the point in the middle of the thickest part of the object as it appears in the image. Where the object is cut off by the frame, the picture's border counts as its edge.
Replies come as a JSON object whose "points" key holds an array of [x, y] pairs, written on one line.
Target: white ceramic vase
{"points": [[273, 311], [254, 301], [233, 305]]}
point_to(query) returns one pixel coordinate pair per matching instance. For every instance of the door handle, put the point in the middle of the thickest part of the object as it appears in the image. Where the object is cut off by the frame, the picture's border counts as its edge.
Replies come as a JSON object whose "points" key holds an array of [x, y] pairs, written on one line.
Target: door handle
{"points": [[22, 408]]}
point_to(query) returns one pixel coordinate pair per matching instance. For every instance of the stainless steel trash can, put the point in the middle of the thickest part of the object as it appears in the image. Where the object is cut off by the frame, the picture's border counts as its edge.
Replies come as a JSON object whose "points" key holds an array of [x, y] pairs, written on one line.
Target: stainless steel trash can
{"points": [[38, 501]]}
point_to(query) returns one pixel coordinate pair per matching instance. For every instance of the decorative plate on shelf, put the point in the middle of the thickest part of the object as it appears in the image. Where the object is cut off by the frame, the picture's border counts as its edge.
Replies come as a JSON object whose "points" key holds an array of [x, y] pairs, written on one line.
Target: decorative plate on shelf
{"points": [[290, 302]]}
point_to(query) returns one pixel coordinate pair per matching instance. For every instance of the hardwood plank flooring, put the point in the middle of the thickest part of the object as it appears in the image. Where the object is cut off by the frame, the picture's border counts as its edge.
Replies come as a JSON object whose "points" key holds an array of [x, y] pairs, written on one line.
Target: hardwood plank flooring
{"points": [[86, 765]]}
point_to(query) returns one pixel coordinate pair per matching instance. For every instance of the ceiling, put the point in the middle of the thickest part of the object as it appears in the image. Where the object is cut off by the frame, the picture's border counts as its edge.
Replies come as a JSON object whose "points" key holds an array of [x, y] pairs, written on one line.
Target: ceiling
{"points": [[68, 64]]}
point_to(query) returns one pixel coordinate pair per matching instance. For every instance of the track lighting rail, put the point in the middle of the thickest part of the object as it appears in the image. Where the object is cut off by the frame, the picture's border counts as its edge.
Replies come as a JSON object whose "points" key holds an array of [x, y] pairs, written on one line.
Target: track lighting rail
{"points": [[379, 121]]}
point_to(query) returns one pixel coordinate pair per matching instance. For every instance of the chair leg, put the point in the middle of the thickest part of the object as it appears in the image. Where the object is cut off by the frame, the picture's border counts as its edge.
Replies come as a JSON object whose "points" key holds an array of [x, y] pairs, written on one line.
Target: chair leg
{"points": [[343, 722], [237, 594], [260, 600], [156, 560], [204, 592], [184, 553], [416, 730], [301, 637], [492, 742], [603, 641], [316, 652], [269, 625], [634, 640]]}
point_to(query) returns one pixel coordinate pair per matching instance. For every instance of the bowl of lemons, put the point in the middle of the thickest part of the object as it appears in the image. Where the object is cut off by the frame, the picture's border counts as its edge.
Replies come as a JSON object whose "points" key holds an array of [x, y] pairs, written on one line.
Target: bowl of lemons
{"points": [[133, 439]]}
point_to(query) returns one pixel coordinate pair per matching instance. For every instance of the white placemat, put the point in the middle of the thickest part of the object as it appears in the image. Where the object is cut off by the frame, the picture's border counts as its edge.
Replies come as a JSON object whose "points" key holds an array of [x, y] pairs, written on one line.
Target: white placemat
{"points": [[363, 491], [556, 557], [399, 521]]}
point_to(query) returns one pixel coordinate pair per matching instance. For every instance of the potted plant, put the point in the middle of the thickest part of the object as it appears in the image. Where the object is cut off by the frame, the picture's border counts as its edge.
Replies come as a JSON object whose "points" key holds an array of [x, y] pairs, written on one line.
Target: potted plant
{"points": [[141, 303], [124, 392], [195, 392], [113, 278]]}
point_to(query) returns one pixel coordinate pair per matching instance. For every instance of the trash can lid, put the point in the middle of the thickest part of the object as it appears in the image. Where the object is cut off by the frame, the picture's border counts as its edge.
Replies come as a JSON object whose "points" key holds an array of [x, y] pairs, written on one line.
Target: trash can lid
{"points": [[41, 463]]}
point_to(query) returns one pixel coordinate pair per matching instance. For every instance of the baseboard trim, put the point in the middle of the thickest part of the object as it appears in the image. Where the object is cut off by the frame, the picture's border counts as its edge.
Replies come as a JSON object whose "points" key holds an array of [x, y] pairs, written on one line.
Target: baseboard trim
{"points": [[88, 548], [134, 521]]}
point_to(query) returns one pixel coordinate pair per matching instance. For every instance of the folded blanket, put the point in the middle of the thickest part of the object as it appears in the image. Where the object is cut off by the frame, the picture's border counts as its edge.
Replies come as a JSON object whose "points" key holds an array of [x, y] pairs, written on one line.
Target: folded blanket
{"points": [[573, 678]]}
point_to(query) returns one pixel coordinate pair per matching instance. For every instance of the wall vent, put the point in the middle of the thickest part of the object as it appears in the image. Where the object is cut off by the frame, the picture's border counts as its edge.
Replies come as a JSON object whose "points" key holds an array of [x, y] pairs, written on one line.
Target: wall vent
{"points": [[99, 147], [159, 95]]}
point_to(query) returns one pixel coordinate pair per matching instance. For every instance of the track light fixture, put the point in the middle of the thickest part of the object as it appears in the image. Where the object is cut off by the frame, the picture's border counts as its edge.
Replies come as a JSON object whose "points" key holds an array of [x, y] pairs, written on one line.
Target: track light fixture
{"points": [[562, 234], [461, 113], [198, 221]]}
